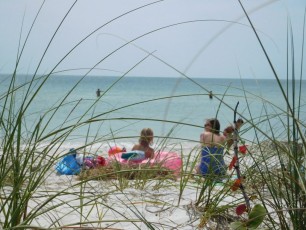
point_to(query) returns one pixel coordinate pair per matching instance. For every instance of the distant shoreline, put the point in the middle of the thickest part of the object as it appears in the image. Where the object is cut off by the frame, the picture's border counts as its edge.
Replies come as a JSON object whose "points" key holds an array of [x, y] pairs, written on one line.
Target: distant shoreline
{"points": [[166, 77]]}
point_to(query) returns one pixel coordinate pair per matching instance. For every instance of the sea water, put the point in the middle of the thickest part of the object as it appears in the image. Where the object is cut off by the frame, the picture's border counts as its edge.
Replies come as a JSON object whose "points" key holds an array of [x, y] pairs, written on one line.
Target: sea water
{"points": [[175, 108]]}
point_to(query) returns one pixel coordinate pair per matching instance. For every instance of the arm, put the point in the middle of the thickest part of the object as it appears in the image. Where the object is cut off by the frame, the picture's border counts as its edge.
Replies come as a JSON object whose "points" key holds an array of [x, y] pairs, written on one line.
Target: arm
{"points": [[149, 153], [135, 147], [202, 138]]}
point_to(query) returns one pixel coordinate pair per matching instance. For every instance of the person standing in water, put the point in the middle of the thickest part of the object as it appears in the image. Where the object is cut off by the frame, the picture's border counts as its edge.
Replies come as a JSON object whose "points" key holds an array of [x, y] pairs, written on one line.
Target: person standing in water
{"points": [[98, 92], [210, 95]]}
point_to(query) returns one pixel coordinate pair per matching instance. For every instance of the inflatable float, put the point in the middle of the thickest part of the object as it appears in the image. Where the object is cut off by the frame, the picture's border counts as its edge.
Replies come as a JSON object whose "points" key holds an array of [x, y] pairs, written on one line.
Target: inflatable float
{"points": [[168, 160]]}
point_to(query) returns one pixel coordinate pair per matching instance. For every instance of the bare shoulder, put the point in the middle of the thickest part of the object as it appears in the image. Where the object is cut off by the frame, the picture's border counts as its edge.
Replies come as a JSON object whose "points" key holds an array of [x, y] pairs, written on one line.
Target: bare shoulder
{"points": [[206, 134], [207, 138], [202, 137], [136, 147]]}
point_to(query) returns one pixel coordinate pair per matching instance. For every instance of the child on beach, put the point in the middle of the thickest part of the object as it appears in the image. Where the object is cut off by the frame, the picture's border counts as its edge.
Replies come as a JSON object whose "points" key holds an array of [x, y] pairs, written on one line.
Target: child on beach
{"points": [[145, 140], [228, 132]]}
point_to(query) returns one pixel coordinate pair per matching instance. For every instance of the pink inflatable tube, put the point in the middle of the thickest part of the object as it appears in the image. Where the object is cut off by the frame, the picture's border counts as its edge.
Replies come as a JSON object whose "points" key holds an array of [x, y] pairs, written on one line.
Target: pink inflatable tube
{"points": [[169, 160]]}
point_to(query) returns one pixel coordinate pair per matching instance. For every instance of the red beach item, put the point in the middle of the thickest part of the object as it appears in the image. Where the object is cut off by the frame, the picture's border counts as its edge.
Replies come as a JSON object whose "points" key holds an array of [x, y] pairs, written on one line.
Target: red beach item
{"points": [[101, 161], [114, 150]]}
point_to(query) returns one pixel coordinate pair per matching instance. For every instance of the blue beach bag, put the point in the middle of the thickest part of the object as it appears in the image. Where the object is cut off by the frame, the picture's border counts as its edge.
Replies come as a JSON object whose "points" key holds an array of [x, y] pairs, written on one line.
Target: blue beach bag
{"points": [[68, 165]]}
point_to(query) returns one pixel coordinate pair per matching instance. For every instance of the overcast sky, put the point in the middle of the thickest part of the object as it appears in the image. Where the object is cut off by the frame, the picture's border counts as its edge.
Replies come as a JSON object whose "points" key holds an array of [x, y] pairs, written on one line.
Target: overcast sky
{"points": [[212, 38]]}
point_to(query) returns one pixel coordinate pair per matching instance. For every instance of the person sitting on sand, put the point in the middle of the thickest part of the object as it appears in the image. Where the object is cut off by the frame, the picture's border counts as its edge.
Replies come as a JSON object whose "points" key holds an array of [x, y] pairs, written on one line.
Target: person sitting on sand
{"points": [[145, 140], [228, 132], [212, 162]]}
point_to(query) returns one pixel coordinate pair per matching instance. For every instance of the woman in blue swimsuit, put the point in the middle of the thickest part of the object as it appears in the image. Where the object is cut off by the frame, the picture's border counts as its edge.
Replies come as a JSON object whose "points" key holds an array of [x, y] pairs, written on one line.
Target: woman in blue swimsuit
{"points": [[212, 141]]}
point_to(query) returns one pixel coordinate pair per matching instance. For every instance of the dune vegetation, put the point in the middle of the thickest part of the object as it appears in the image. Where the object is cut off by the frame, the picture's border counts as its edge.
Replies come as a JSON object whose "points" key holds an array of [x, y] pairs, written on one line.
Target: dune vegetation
{"points": [[265, 187]]}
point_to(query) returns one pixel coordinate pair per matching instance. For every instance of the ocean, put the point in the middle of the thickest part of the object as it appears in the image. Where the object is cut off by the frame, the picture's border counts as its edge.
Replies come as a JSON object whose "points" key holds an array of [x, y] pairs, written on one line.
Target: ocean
{"points": [[173, 107]]}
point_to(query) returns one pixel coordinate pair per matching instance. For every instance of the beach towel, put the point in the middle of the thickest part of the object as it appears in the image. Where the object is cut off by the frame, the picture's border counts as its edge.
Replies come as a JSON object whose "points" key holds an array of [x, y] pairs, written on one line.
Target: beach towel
{"points": [[134, 155]]}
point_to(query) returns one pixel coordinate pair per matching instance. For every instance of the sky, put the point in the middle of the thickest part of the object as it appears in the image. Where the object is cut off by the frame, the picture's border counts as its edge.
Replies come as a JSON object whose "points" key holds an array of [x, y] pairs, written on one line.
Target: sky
{"points": [[167, 38]]}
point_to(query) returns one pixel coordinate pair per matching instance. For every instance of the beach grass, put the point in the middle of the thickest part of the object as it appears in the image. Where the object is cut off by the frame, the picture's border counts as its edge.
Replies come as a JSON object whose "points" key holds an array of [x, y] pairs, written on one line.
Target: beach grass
{"points": [[273, 170]]}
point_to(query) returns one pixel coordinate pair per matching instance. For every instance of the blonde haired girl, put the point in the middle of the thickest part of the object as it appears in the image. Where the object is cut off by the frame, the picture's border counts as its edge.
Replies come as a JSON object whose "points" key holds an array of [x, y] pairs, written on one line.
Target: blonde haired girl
{"points": [[145, 140]]}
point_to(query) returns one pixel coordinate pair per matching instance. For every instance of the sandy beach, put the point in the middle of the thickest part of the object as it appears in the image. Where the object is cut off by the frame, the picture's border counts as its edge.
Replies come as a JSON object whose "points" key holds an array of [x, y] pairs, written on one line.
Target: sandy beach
{"points": [[66, 202], [123, 209], [154, 204]]}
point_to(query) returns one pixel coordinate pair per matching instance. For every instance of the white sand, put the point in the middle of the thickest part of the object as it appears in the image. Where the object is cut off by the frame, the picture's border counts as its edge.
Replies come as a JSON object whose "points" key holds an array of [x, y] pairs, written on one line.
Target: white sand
{"points": [[160, 207], [105, 206]]}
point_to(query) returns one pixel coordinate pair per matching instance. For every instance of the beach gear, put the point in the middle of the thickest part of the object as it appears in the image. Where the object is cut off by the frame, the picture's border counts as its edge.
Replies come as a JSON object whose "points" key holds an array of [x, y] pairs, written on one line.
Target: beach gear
{"points": [[212, 162], [100, 161], [168, 160], [79, 158], [89, 163], [114, 150], [135, 155], [94, 162], [74, 162], [68, 165]]}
